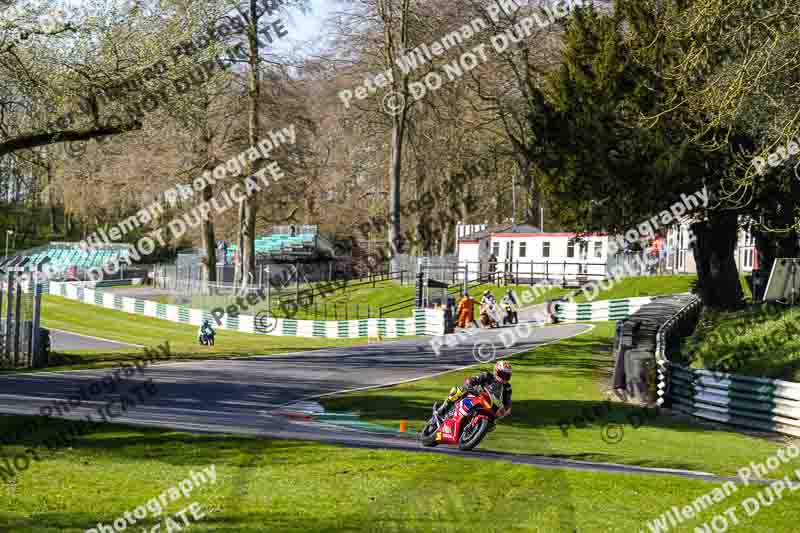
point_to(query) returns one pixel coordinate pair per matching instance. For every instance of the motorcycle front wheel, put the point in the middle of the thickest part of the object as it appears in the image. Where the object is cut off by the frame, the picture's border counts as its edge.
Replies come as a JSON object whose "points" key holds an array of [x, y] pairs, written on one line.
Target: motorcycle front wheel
{"points": [[472, 435], [428, 436]]}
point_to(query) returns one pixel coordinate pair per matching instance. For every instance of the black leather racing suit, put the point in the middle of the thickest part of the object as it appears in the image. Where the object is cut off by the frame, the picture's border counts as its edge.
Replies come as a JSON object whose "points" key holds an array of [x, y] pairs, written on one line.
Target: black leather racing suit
{"points": [[487, 379]]}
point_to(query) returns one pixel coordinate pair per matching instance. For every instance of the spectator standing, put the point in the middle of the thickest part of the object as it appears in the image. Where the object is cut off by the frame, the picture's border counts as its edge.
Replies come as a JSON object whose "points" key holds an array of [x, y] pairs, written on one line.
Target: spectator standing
{"points": [[492, 267], [466, 311]]}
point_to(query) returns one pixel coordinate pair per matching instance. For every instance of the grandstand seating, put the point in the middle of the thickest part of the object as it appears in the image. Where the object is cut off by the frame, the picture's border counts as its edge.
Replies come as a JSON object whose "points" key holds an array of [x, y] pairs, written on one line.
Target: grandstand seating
{"points": [[63, 256], [280, 244]]}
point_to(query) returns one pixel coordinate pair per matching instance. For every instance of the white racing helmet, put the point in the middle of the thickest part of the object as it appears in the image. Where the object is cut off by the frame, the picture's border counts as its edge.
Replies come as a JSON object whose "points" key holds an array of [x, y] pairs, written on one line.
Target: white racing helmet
{"points": [[502, 371]]}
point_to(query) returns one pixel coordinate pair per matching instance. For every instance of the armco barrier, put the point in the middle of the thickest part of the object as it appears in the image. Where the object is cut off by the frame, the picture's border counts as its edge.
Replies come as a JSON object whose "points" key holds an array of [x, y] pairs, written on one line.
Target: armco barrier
{"points": [[635, 350], [654, 325], [424, 321], [756, 403], [600, 310]]}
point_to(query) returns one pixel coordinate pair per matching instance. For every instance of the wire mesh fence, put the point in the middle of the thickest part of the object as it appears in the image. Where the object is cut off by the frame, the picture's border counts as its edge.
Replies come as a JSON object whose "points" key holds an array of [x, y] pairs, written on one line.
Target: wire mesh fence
{"points": [[287, 295], [188, 276], [16, 324]]}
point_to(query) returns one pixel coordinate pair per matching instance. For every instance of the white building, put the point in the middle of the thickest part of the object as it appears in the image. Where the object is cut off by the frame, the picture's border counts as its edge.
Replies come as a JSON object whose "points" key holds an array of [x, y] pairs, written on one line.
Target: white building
{"points": [[527, 253], [681, 256], [745, 254]]}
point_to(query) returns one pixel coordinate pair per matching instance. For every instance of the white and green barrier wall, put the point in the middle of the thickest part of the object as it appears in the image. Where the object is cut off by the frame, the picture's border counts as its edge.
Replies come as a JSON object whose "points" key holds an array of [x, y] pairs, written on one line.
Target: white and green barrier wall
{"points": [[424, 321], [750, 402], [599, 310], [757, 403]]}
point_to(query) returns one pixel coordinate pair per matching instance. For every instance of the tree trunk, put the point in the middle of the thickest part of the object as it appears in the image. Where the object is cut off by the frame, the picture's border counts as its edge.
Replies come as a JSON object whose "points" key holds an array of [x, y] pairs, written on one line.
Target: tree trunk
{"points": [[718, 278], [392, 46], [245, 267], [249, 247], [444, 243], [249, 206], [209, 241], [527, 181], [771, 246], [51, 204], [52, 213], [395, 237]]}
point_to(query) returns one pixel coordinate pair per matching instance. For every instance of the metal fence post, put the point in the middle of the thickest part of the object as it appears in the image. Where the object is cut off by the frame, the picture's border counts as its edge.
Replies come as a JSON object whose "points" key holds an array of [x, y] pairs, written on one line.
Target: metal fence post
{"points": [[17, 324], [9, 304], [269, 294], [3, 331], [37, 359]]}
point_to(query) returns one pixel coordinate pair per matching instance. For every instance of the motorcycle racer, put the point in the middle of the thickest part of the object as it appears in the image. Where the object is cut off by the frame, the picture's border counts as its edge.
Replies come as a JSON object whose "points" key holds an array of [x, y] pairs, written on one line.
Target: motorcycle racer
{"points": [[206, 333], [498, 385]]}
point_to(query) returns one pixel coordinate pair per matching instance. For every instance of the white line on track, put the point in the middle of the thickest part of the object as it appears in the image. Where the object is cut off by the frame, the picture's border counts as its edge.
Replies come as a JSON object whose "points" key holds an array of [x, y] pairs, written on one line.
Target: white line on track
{"points": [[96, 338], [436, 374]]}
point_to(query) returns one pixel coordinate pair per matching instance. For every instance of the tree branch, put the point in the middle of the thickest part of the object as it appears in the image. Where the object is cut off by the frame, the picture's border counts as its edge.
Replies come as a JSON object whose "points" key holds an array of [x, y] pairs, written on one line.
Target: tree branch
{"points": [[33, 140]]}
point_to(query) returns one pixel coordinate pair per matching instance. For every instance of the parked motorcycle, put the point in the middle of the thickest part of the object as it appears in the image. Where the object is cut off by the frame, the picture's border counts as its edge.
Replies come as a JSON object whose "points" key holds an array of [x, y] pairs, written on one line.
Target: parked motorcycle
{"points": [[465, 424]]}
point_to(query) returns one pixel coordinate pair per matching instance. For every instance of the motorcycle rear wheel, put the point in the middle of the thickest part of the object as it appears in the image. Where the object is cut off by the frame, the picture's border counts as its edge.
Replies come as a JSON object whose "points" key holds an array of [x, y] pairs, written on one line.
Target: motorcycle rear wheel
{"points": [[471, 437], [428, 436]]}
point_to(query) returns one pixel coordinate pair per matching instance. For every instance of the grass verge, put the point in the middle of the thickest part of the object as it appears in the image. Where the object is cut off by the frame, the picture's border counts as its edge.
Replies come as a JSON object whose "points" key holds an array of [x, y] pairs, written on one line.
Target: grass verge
{"points": [[644, 286], [760, 341], [557, 388], [362, 299], [68, 315], [351, 302], [290, 486]]}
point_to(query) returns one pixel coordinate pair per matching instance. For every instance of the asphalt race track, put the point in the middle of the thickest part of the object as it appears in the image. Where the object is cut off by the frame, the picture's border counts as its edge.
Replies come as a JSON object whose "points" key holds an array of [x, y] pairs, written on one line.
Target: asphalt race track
{"points": [[64, 340], [250, 395]]}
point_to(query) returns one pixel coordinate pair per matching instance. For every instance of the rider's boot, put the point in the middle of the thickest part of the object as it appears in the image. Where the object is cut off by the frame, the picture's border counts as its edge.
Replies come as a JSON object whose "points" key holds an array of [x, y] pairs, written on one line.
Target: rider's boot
{"points": [[455, 394]]}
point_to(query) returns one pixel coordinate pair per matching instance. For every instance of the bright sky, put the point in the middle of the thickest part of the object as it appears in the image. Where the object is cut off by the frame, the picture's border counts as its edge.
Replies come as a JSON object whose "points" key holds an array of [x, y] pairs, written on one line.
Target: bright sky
{"points": [[307, 29]]}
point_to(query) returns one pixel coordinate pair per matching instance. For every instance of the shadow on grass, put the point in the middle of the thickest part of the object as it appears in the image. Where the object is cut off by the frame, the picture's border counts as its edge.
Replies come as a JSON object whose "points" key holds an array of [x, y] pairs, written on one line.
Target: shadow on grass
{"points": [[136, 443], [121, 444], [88, 358], [242, 522], [527, 414], [546, 427]]}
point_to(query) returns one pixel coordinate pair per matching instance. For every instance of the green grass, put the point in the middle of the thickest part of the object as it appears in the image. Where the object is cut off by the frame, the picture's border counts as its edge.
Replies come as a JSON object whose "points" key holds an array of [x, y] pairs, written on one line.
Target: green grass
{"points": [[289, 486], [758, 341], [557, 383], [68, 315], [384, 293], [644, 286], [388, 292]]}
